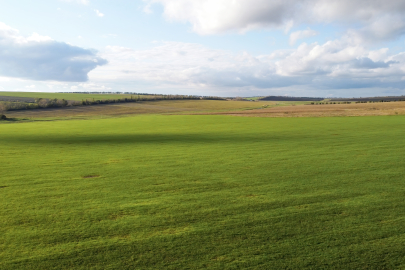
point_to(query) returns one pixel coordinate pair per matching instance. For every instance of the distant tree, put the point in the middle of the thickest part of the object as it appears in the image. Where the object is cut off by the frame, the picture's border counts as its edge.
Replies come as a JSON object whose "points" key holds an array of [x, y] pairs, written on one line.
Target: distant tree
{"points": [[3, 108]]}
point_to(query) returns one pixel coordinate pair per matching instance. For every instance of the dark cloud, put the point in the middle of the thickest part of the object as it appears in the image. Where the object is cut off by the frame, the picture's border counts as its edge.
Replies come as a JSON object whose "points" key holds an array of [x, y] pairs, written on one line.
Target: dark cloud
{"points": [[45, 59]]}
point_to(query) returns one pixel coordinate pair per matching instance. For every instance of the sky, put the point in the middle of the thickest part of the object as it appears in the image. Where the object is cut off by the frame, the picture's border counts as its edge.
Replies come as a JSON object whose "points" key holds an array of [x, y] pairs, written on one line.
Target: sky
{"points": [[313, 48]]}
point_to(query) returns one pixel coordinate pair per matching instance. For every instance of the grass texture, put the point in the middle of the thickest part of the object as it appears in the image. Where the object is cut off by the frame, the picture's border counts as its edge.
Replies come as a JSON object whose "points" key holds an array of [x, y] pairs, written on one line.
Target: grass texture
{"points": [[198, 192]]}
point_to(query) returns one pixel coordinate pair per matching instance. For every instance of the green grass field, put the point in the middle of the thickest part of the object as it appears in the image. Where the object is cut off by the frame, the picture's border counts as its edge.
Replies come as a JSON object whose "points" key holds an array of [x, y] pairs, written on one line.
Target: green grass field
{"points": [[203, 192]]}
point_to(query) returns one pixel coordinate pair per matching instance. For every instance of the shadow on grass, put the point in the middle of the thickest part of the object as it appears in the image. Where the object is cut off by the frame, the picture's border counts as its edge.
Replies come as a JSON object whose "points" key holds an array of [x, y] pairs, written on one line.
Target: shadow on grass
{"points": [[145, 138], [19, 120], [13, 120]]}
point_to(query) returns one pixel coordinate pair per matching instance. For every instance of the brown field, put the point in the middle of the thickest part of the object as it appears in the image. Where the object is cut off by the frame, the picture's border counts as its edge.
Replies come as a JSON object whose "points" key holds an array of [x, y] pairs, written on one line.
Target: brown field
{"points": [[150, 107], [236, 108], [360, 109]]}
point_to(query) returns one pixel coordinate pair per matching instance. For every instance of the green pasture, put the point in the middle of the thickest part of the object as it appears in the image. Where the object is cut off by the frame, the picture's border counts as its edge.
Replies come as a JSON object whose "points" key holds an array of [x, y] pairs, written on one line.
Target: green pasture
{"points": [[203, 192]]}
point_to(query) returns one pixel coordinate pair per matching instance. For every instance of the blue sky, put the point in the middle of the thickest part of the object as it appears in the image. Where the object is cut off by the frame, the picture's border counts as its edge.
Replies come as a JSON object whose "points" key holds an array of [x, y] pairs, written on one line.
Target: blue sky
{"points": [[211, 47]]}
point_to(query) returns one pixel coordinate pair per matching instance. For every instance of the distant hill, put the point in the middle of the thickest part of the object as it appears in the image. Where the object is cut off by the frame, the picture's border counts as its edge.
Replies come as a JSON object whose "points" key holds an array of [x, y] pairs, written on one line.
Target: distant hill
{"points": [[361, 99], [284, 98], [387, 98]]}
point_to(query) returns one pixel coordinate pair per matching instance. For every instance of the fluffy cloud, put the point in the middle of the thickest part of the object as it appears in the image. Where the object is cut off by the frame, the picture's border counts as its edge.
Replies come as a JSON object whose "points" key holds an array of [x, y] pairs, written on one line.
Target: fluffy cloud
{"points": [[41, 58], [387, 27], [379, 19], [216, 16]]}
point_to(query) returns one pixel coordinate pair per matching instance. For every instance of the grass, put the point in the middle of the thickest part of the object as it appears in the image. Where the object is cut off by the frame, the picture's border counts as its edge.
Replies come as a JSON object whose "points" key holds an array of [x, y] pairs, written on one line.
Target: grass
{"points": [[197, 192]]}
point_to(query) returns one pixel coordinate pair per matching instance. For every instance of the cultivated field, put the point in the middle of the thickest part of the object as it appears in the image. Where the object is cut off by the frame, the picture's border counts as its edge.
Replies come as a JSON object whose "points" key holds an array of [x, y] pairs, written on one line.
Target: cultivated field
{"points": [[146, 107], [299, 110], [176, 191]]}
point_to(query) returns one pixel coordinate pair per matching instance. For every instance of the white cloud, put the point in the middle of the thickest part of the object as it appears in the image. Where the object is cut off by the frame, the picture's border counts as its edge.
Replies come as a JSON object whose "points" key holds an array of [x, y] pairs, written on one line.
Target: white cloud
{"points": [[343, 64], [41, 58], [4, 79], [38, 38], [387, 27], [55, 85], [380, 19], [288, 26], [99, 13], [301, 35], [30, 86], [216, 16]]}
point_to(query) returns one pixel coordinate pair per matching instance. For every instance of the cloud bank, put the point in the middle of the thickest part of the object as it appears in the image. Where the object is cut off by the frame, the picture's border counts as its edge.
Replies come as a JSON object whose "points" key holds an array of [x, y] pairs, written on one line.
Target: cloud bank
{"points": [[41, 58], [332, 65]]}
